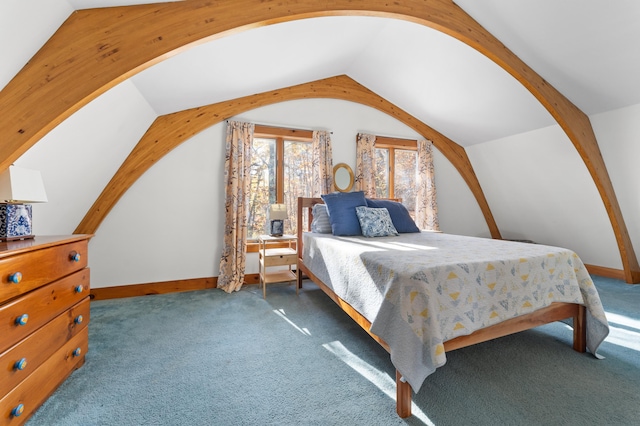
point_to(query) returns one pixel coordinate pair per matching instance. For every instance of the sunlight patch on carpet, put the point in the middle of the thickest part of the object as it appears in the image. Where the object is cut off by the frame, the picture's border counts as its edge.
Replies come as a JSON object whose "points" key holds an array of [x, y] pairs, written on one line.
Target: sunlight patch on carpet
{"points": [[623, 331], [381, 380], [283, 315]]}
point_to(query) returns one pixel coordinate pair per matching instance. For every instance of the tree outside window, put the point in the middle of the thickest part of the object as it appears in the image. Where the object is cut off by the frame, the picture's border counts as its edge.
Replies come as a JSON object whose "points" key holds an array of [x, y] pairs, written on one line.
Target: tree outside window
{"points": [[397, 170], [280, 173]]}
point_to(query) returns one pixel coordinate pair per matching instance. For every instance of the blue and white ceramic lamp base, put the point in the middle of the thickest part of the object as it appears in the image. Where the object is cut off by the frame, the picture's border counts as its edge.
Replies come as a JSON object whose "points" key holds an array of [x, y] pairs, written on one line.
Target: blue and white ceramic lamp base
{"points": [[15, 222]]}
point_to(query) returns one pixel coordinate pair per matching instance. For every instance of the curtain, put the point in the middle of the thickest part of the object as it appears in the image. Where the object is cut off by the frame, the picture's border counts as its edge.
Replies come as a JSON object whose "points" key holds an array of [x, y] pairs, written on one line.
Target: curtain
{"points": [[322, 161], [426, 204], [366, 164], [237, 183]]}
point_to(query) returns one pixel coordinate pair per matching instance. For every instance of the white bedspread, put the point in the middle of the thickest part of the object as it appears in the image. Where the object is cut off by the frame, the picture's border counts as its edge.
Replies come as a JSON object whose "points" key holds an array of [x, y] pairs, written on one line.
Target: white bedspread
{"points": [[420, 290]]}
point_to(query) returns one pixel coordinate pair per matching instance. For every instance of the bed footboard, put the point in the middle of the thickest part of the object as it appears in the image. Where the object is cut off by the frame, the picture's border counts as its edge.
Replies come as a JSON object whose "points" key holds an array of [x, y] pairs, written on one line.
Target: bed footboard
{"points": [[553, 312]]}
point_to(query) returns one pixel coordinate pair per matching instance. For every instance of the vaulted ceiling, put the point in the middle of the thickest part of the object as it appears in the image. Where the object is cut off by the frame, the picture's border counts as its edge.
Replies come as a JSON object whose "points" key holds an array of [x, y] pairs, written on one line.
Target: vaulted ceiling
{"points": [[583, 49], [587, 49]]}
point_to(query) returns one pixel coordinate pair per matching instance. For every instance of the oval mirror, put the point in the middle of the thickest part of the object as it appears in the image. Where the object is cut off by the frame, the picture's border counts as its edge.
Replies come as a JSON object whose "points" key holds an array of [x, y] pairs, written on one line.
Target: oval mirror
{"points": [[342, 177]]}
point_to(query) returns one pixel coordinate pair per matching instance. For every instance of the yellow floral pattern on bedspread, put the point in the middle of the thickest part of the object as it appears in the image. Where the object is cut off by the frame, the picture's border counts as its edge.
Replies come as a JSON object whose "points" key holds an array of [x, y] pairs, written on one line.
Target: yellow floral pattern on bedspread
{"points": [[420, 290]]}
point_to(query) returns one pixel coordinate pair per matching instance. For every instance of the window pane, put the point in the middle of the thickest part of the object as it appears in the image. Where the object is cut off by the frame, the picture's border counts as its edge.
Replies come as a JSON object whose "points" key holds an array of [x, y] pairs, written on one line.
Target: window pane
{"points": [[263, 185], [406, 170], [382, 173], [297, 179]]}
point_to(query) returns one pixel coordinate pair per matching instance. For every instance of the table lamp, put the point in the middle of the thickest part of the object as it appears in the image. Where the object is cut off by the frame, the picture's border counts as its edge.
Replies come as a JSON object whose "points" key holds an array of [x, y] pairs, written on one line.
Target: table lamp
{"points": [[18, 189], [277, 215]]}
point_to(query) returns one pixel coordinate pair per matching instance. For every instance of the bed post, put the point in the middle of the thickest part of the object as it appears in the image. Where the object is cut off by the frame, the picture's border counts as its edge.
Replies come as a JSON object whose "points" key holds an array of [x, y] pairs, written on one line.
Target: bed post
{"points": [[403, 396], [580, 329], [299, 247]]}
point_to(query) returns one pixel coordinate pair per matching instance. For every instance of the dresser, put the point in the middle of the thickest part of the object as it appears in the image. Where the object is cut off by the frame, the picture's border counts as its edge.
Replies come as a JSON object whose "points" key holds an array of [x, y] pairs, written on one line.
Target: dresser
{"points": [[44, 312]]}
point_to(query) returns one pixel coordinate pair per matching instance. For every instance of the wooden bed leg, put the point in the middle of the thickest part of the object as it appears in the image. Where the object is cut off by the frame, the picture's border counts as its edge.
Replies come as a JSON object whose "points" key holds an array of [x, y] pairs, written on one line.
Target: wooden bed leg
{"points": [[403, 396], [298, 279], [580, 330]]}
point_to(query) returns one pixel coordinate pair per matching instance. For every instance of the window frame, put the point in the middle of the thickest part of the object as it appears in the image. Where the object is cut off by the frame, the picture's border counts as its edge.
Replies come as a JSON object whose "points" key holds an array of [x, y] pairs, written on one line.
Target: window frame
{"points": [[391, 144], [280, 135]]}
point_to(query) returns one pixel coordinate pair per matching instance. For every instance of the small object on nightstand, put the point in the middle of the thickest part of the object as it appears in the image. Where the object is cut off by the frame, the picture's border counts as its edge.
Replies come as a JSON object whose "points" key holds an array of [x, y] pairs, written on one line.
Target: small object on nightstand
{"points": [[277, 215], [282, 253]]}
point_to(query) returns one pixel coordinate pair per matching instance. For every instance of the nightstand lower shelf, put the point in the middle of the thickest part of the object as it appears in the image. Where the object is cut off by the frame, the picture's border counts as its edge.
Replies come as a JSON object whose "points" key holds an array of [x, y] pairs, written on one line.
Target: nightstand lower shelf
{"points": [[279, 277]]}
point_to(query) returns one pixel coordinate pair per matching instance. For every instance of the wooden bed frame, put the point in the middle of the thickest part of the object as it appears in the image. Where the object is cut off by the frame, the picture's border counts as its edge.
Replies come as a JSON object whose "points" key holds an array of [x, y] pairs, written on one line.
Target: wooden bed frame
{"points": [[554, 312]]}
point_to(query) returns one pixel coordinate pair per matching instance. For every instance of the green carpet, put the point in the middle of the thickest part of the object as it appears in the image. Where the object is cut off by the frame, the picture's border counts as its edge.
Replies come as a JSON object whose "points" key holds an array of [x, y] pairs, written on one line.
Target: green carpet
{"points": [[209, 358]]}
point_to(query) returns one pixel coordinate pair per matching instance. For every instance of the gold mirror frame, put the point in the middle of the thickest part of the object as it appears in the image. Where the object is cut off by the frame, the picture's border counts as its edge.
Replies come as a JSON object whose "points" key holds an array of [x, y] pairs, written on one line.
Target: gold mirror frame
{"points": [[339, 186]]}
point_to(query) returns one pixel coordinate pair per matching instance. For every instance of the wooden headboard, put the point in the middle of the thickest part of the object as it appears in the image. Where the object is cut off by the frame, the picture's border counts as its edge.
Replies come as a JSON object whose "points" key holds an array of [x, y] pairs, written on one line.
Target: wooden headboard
{"points": [[305, 207], [307, 203]]}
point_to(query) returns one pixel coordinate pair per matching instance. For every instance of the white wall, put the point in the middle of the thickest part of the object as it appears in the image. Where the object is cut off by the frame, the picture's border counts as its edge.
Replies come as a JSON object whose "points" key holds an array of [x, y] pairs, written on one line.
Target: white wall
{"points": [[168, 226], [78, 158], [618, 133], [539, 189]]}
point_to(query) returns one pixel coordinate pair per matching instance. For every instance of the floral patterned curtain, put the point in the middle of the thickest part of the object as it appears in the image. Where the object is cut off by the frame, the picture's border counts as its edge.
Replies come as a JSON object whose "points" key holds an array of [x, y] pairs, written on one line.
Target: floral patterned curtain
{"points": [[426, 204], [366, 164], [322, 160], [237, 183]]}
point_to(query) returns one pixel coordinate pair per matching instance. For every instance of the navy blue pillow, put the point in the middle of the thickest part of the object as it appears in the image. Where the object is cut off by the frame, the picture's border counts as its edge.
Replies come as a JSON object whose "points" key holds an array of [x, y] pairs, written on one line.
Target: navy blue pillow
{"points": [[342, 211], [399, 214]]}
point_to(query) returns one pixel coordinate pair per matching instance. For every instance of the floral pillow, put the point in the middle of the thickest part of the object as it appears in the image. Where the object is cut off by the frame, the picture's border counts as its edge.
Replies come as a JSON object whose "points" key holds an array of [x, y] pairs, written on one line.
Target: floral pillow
{"points": [[375, 222]]}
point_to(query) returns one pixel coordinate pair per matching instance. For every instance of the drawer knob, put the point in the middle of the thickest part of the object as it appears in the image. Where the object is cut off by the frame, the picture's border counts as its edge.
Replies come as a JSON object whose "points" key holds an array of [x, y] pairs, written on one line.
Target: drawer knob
{"points": [[17, 410], [20, 364], [15, 278], [74, 256], [78, 319], [77, 352], [22, 319], [79, 288]]}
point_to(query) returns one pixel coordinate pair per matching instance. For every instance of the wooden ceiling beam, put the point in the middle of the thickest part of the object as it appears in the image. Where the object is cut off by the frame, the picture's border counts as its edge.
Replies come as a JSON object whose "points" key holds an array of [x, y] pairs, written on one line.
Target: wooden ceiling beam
{"points": [[95, 49], [169, 131]]}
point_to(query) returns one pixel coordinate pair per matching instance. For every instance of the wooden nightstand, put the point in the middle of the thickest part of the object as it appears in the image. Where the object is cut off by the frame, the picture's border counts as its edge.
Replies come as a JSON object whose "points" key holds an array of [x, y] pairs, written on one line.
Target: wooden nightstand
{"points": [[277, 255]]}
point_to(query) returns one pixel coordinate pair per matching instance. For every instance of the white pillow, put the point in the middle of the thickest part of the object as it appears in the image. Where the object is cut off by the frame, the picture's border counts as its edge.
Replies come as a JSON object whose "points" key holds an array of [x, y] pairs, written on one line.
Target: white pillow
{"points": [[320, 223]]}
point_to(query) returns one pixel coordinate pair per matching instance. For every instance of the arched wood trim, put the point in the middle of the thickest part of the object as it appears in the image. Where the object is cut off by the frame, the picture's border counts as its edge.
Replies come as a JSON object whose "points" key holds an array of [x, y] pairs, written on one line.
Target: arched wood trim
{"points": [[96, 49], [169, 131]]}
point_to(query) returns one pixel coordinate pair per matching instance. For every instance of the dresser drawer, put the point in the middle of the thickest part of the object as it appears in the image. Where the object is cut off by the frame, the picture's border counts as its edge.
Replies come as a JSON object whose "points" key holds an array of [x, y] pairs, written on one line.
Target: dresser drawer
{"points": [[36, 388], [18, 362], [39, 306], [39, 267], [279, 256]]}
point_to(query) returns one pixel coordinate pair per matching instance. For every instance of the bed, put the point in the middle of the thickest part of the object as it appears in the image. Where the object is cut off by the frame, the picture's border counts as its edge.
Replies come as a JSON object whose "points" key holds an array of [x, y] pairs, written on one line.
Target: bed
{"points": [[422, 294]]}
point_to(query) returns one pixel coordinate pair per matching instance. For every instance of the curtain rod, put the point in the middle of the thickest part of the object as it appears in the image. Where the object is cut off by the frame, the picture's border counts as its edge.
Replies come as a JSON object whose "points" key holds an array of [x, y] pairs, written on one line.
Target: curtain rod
{"points": [[282, 127]]}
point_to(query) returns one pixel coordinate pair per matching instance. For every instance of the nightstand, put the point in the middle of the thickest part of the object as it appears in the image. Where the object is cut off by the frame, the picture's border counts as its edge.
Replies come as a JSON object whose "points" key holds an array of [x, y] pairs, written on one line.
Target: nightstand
{"points": [[276, 251]]}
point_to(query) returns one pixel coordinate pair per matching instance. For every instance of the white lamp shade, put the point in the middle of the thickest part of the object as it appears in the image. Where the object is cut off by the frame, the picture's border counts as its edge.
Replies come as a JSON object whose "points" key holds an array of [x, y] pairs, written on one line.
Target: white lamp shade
{"points": [[277, 212], [18, 185]]}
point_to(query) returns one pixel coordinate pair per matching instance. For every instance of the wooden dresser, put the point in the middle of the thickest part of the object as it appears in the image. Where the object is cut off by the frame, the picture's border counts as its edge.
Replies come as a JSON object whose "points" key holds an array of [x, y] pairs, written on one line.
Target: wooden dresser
{"points": [[44, 312]]}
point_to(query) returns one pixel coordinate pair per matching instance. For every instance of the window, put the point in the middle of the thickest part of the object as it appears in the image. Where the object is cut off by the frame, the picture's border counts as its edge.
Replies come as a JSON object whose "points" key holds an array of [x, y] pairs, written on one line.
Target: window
{"points": [[397, 170], [280, 173]]}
